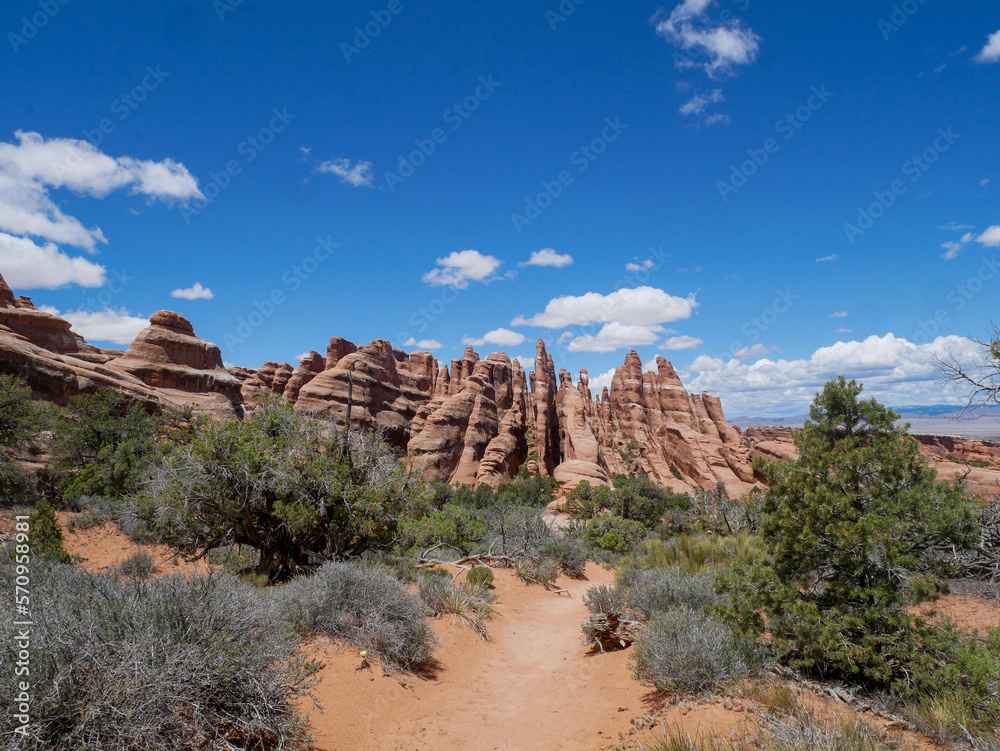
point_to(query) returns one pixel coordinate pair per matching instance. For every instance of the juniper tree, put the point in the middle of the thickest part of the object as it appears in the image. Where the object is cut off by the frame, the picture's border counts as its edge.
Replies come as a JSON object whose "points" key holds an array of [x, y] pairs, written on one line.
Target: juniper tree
{"points": [[853, 527]]}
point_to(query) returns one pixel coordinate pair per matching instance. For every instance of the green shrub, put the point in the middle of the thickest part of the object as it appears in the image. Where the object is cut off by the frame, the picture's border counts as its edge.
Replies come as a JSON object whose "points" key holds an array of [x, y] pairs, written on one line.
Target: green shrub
{"points": [[480, 576], [363, 605], [852, 528], [605, 598], [569, 552], [681, 649], [45, 538], [612, 533], [459, 527], [176, 664]]}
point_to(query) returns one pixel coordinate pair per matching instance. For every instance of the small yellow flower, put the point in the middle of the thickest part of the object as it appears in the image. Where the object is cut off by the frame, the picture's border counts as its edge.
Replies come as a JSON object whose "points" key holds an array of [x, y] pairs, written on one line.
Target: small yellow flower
{"points": [[364, 653]]}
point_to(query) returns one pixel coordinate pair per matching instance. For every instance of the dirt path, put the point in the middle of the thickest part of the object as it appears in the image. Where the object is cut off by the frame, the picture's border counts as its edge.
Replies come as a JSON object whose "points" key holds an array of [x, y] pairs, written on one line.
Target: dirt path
{"points": [[535, 685]]}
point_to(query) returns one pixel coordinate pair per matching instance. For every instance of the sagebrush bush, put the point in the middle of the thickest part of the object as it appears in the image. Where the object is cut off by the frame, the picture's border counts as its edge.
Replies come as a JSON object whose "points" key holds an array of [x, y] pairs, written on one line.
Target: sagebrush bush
{"points": [[681, 649], [172, 665], [363, 605], [138, 567], [605, 598], [569, 552], [650, 591]]}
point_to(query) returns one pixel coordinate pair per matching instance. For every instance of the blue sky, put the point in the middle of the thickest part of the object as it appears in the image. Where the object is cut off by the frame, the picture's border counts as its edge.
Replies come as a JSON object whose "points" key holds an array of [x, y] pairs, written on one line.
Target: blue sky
{"points": [[605, 176]]}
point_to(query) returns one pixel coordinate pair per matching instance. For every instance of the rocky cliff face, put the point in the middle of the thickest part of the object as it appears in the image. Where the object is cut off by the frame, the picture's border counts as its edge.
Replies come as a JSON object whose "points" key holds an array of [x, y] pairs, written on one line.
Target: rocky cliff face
{"points": [[470, 420], [167, 366]]}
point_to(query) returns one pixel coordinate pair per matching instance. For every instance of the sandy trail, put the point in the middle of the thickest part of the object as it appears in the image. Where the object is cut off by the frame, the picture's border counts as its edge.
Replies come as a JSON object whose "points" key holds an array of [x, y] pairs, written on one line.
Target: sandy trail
{"points": [[535, 685]]}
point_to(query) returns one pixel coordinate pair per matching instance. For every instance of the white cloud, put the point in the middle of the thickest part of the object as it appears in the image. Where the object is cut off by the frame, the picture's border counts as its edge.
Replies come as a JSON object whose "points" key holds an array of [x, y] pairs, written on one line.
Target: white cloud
{"points": [[956, 227], [838, 314], [755, 350], [718, 117], [501, 337], [953, 249], [601, 381], [614, 336], [196, 292], [548, 257], [635, 268], [843, 331], [724, 44], [824, 259], [33, 166], [699, 103], [991, 52], [358, 175], [991, 237], [564, 337], [642, 306], [893, 370], [681, 342], [423, 344], [461, 267], [984, 181], [108, 325], [26, 265]]}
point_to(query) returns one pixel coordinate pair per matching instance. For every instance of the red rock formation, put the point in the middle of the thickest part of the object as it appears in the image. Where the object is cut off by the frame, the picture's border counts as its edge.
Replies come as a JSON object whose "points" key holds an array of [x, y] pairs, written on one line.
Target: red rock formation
{"points": [[309, 367], [649, 423], [543, 428], [169, 357]]}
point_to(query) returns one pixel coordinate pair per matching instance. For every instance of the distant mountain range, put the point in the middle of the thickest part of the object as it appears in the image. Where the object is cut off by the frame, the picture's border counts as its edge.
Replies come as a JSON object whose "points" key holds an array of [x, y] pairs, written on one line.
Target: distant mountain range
{"points": [[935, 419]]}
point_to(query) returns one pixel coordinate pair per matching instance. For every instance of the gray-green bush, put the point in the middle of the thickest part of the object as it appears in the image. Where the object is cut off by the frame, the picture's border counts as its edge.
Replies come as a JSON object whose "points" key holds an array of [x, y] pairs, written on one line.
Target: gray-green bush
{"points": [[361, 604], [682, 649], [172, 665]]}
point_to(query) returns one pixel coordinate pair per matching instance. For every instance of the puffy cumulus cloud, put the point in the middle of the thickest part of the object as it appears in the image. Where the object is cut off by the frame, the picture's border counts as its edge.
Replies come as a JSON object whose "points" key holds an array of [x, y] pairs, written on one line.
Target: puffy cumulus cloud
{"points": [[895, 371], [501, 337], [423, 344], [724, 45], [601, 381], [108, 325], [642, 306], [195, 292], [32, 167], [358, 175], [990, 238], [461, 267], [614, 336], [25, 265], [548, 257], [991, 52], [681, 342]]}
